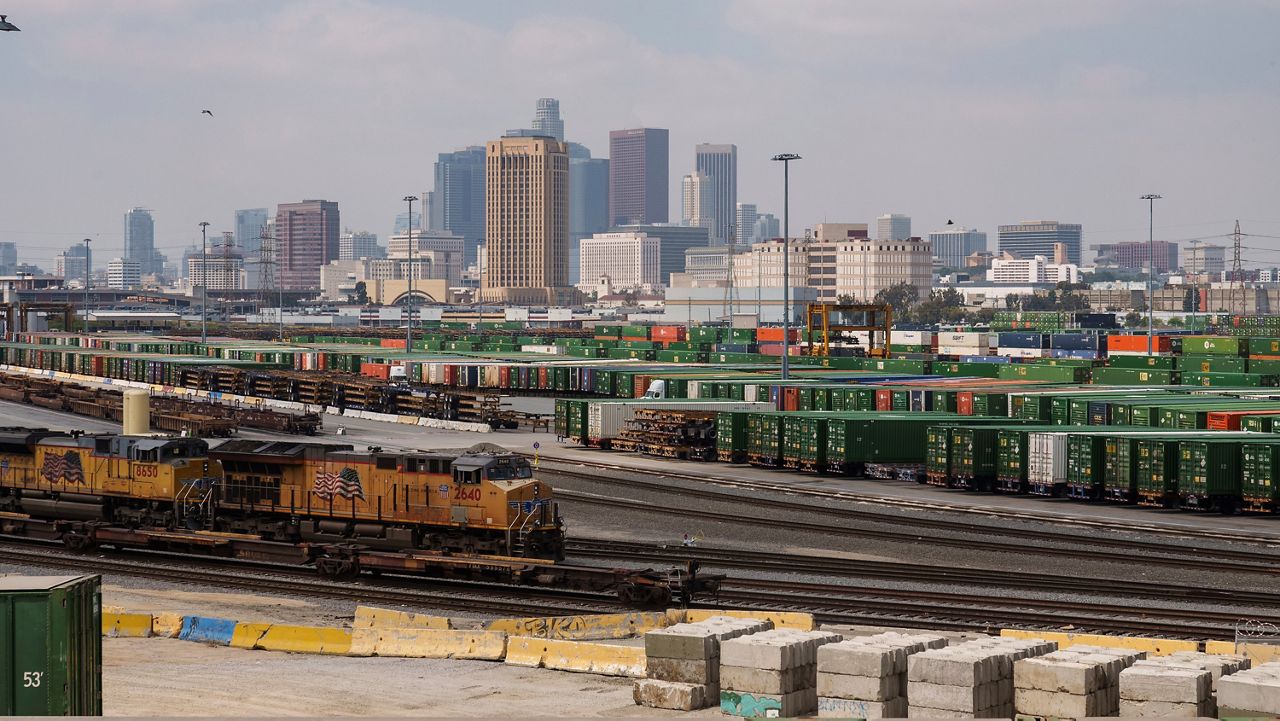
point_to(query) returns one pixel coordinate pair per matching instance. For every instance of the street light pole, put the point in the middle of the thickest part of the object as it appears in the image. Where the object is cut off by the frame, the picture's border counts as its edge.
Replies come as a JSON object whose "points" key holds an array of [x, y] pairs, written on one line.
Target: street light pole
{"points": [[785, 159], [408, 301], [87, 277], [204, 282], [1151, 199]]}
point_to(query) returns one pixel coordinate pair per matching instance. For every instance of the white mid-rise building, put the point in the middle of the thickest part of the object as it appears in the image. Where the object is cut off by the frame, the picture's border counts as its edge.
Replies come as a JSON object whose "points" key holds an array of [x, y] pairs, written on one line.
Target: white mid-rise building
{"points": [[1037, 269], [952, 245], [358, 244], [124, 274], [631, 261], [436, 254], [220, 269], [695, 191], [893, 226]]}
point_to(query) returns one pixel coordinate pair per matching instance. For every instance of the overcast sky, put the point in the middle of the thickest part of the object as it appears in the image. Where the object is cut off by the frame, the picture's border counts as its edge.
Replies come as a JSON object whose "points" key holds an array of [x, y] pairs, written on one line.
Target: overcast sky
{"points": [[982, 112]]}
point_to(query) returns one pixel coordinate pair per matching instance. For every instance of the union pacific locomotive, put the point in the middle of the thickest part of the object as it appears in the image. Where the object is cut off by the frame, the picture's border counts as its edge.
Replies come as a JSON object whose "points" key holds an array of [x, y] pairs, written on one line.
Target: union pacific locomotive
{"points": [[483, 500]]}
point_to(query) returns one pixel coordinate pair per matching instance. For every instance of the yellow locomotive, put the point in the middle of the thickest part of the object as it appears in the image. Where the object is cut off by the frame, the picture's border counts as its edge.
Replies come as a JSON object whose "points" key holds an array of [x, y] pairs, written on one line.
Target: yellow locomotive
{"points": [[483, 500]]}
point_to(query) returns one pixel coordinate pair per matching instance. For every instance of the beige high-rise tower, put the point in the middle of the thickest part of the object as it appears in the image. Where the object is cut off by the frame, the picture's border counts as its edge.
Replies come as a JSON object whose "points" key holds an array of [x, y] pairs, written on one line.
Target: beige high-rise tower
{"points": [[527, 222]]}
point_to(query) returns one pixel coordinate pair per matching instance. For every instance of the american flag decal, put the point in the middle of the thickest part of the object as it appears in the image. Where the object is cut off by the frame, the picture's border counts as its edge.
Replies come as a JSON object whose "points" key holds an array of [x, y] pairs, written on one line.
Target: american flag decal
{"points": [[65, 467], [345, 483]]}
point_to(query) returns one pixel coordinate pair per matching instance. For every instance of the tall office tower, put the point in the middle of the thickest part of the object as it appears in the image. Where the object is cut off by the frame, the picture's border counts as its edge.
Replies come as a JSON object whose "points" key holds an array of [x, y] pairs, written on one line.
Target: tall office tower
{"points": [[546, 119], [893, 226], [75, 264], [526, 222], [744, 221], [457, 202], [8, 258], [638, 163], [695, 189], [251, 224], [358, 244], [720, 164], [307, 238], [955, 243], [588, 201], [1036, 237], [140, 239], [404, 223], [767, 227]]}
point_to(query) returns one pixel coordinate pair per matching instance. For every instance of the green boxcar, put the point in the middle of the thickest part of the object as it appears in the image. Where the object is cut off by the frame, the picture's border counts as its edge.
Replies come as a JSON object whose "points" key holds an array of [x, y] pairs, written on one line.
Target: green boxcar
{"points": [[937, 466], [764, 439], [974, 454], [804, 441], [1209, 475], [50, 646], [1260, 476], [1120, 469], [1011, 465], [1157, 472], [731, 436], [1086, 466]]}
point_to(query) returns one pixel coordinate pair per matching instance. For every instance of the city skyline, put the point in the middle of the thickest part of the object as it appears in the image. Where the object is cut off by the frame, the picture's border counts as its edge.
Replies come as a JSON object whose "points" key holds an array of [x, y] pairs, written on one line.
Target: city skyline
{"points": [[1011, 123]]}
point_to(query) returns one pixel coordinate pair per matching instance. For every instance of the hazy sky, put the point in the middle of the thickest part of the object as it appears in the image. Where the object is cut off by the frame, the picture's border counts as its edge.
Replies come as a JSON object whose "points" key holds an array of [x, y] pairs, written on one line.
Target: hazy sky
{"points": [[982, 112]]}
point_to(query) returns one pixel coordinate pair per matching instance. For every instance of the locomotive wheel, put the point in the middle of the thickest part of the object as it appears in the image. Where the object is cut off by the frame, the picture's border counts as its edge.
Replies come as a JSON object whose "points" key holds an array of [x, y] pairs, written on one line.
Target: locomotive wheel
{"points": [[337, 568], [77, 542]]}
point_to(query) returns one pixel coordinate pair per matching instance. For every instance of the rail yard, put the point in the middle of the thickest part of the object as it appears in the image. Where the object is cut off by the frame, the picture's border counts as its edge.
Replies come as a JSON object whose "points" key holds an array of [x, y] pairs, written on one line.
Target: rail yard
{"points": [[1054, 483]]}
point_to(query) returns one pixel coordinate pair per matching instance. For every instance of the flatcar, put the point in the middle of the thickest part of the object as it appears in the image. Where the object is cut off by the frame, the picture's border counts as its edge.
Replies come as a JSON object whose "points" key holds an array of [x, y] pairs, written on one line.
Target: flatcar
{"points": [[481, 500]]}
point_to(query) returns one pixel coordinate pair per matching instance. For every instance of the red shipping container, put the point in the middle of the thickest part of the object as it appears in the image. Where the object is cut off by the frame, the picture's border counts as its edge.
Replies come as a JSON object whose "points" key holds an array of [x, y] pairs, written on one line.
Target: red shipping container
{"points": [[1230, 420], [964, 403], [376, 370], [504, 376], [392, 343], [1138, 343], [884, 400], [640, 386], [791, 399], [774, 335]]}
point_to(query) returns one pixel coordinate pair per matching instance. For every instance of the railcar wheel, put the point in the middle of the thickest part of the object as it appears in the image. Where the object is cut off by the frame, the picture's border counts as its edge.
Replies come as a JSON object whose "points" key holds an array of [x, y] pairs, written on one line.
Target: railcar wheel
{"points": [[77, 542]]}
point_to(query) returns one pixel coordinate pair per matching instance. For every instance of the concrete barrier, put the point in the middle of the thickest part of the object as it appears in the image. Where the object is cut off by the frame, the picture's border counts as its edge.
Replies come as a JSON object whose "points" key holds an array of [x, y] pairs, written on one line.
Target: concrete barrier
{"points": [[374, 617], [577, 656], [587, 627], [428, 643], [304, 639], [207, 630], [1258, 653], [126, 625], [1151, 646], [780, 619], [246, 635], [166, 625]]}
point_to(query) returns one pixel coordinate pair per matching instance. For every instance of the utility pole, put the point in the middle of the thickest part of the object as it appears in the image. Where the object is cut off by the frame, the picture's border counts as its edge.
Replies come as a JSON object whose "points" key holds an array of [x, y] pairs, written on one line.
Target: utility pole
{"points": [[785, 159], [204, 282], [408, 301], [87, 277], [1195, 287], [1151, 199]]}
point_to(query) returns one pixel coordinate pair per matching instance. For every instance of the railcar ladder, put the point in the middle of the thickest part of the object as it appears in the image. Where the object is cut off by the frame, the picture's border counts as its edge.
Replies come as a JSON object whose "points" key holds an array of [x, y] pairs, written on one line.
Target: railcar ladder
{"points": [[193, 503]]}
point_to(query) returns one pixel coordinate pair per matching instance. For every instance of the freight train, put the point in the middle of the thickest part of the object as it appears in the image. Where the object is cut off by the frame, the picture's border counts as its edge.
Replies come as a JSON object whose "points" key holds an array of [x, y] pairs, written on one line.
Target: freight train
{"points": [[481, 500]]}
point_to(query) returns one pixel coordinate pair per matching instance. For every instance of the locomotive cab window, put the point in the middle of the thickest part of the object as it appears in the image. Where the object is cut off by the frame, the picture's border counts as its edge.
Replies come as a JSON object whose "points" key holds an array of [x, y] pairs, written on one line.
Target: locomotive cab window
{"points": [[386, 463], [466, 476]]}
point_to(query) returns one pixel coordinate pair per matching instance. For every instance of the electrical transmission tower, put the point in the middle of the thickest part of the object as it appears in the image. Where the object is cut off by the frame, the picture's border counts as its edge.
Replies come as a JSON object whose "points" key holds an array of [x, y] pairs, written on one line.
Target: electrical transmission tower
{"points": [[1237, 280], [267, 277], [731, 287]]}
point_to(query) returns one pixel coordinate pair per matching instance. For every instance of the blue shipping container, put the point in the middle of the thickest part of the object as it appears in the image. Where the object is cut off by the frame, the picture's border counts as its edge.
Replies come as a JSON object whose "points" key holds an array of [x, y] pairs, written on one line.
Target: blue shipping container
{"points": [[1074, 341], [1020, 340]]}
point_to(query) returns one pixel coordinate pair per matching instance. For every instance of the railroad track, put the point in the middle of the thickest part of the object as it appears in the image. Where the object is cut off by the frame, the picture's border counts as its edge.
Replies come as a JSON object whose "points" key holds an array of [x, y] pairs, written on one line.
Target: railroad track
{"points": [[912, 529], [573, 467]]}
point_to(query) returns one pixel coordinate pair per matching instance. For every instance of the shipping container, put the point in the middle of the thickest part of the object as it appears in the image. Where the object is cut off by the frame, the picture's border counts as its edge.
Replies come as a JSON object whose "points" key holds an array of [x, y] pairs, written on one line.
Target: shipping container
{"points": [[974, 455], [1209, 474], [1260, 476], [1157, 471], [50, 646], [1086, 466], [1047, 463], [1011, 465]]}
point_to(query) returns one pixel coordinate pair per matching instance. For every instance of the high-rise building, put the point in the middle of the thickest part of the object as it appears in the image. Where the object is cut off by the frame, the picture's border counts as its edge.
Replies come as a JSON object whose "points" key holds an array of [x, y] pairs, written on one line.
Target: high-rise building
{"points": [[8, 258], [638, 166], [675, 240], [457, 202], [955, 243], [358, 244], [436, 255], [307, 237], [123, 274], [893, 226], [631, 261], [140, 239], [588, 200], [1036, 237], [251, 223], [526, 222], [767, 227], [695, 190], [1133, 255], [546, 119], [720, 164], [75, 264], [222, 268], [745, 221], [1201, 259], [404, 223]]}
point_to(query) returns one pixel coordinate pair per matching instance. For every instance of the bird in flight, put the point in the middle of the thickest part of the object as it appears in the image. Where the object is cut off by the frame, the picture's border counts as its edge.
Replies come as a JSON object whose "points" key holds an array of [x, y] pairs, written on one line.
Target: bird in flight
{"points": [[207, 112], [6, 26]]}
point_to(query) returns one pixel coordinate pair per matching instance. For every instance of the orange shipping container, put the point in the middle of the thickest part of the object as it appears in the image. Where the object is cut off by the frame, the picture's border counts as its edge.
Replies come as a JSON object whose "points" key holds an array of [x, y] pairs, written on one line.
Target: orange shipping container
{"points": [[392, 343], [774, 335], [884, 400], [964, 403], [376, 370], [1138, 343], [668, 333], [791, 399]]}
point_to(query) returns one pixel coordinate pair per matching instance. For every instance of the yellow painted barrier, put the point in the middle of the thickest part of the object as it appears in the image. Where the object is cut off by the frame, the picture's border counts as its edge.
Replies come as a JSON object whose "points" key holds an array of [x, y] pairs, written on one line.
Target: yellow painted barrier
{"points": [[407, 420], [246, 635], [577, 656], [374, 617], [1152, 646], [126, 625], [428, 643], [780, 619], [1255, 652], [587, 627], [304, 639], [166, 625]]}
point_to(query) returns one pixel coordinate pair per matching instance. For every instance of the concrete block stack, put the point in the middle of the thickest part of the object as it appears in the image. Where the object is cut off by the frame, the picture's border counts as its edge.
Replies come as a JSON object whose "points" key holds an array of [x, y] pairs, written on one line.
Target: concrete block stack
{"points": [[772, 673], [1217, 664], [1251, 691], [1162, 688], [1077, 682], [866, 677], [683, 662], [972, 679]]}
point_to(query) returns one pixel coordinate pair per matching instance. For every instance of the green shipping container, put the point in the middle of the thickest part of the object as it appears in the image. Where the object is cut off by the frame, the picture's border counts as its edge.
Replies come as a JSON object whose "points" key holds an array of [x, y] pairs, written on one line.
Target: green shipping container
{"points": [[50, 646], [1157, 474], [1209, 474], [1260, 476], [1011, 465], [1214, 345], [1086, 466]]}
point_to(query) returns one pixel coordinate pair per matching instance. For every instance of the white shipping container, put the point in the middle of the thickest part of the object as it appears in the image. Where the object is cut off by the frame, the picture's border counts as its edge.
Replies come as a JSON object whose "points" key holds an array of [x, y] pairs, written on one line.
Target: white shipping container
{"points": [[605, 419], [960, 350], [911, 337], [1046, 459], [972, 340], [545, 349], [1020, 352]]}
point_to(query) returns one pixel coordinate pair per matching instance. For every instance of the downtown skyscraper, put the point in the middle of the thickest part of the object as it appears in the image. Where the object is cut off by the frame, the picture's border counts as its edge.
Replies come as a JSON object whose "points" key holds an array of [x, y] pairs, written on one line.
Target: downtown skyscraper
{"points": [[140, 240], [307, 238], [720, 164], [457, 202], [639, 159]]}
